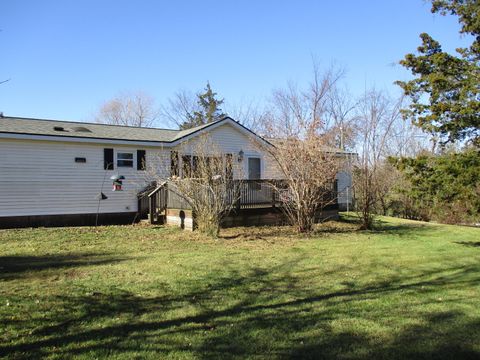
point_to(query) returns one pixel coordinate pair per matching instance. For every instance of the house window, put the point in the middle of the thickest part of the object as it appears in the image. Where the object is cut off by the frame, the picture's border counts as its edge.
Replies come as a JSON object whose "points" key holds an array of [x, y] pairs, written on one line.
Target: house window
{"points": [[186, 166], [194, 166], [124, 159], [174, 164]]}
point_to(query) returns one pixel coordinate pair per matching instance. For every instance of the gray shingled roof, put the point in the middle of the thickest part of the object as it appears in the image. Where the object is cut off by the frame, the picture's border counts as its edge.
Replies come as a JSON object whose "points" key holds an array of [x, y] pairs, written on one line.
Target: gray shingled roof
{"points": [[16, 125]]}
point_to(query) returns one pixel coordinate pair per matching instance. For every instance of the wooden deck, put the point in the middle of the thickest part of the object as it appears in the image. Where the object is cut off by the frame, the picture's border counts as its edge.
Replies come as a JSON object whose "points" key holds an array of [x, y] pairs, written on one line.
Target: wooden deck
{"points": [[248, 198]]}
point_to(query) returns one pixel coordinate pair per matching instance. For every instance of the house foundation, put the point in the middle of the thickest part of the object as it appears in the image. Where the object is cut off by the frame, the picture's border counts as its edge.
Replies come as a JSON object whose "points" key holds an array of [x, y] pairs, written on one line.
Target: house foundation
{"points": [[245, 217], [124, 218]]}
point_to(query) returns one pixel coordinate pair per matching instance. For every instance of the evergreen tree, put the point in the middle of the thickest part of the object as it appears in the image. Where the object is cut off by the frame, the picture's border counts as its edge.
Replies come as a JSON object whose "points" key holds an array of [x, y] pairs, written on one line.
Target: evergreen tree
{"points": [[445, 96], [444, 187], [445, 93], [208, 110]]}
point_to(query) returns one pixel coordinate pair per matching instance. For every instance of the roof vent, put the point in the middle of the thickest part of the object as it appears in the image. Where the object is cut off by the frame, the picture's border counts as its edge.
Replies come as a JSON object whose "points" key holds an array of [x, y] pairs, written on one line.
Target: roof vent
{"points": [[81, 129], [59, 128]]}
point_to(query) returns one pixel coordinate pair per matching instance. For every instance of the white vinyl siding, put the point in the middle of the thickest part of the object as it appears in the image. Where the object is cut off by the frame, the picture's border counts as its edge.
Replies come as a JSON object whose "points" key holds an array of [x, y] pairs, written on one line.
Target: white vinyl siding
{"points": [[229, 140], [39, 177], [42, 178]]}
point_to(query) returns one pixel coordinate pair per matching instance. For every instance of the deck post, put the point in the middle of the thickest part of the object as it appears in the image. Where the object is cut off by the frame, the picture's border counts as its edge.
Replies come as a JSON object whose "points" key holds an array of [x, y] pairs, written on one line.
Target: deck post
{"points": [[166, 198], [139, 208], [239, 198], [272, 189], [151, 206], [237, 205]]}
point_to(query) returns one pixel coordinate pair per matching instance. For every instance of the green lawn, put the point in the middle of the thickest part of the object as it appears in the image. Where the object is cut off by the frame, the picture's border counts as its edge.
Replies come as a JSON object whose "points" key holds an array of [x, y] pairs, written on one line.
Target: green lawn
{"points": [[408, 290]]}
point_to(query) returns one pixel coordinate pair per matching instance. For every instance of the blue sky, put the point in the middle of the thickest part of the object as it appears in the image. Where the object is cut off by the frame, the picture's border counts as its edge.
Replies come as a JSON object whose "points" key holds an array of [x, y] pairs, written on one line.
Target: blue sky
{"points": [[64, 58]]}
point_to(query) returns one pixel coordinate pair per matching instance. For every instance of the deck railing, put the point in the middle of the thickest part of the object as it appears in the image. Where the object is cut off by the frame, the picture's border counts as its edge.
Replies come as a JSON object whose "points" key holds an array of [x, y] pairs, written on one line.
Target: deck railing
{"points": [[242, 194], [144, 201], [258, 193], [152, 201], [158, 199]]}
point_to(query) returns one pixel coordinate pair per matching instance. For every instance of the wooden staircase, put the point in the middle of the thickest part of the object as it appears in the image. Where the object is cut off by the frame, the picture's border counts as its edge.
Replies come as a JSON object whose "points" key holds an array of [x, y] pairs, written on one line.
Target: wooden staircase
{"points": [[152, 203], [157, 200]]}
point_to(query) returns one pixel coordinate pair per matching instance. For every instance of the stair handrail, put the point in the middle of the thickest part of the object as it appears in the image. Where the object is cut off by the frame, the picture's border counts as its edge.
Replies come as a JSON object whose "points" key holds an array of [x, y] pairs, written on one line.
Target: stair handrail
{"points": [[146, 190], [157, 189]]}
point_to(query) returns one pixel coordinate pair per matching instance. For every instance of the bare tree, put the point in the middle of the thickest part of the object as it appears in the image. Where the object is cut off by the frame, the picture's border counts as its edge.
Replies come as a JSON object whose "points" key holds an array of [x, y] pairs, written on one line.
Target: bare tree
{"points": [[207, 179], [180, 108], [129, 109], [305, 147], [407, 139], [376, 121], [248, 113], [207, 182], [341, 115], [186, 110]]}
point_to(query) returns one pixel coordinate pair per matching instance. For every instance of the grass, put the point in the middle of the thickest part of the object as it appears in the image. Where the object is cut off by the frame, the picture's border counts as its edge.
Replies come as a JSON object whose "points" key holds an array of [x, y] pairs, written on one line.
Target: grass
{"points": [[408, 290]]}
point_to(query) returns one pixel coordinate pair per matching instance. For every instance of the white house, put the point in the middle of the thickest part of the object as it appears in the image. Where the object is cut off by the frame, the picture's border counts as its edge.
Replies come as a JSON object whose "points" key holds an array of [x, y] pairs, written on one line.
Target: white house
{"points": [[53, 172]]}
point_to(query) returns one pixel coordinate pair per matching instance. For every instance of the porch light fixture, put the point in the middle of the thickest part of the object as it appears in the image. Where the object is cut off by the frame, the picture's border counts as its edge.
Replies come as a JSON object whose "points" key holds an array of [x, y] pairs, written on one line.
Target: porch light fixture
{"points": [[240, 156]]}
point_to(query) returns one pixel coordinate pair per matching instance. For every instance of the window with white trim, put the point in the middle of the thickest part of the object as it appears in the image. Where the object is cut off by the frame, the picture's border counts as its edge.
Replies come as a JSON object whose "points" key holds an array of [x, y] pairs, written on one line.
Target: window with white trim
{"points": [[124, 159]]}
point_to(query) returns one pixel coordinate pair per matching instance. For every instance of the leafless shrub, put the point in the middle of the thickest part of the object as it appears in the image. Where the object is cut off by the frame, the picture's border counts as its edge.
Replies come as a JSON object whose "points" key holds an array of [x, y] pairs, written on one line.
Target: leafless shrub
{"points": [[207, 179], [207, 182], [375, 124], [305, 147]]}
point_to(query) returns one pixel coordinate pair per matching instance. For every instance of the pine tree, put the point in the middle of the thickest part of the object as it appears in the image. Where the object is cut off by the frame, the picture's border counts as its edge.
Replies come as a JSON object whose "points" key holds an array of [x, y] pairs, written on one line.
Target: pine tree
{"points": [[445, 93], [208, 110]]}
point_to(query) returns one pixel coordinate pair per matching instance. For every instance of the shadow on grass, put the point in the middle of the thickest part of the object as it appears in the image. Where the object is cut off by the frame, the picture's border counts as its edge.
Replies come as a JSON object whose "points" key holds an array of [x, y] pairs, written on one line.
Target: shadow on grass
{"points": [[468, 243], [381, 226], [258, 233], [326, 228], [12, 267], [399, 229], [260, 312]]}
